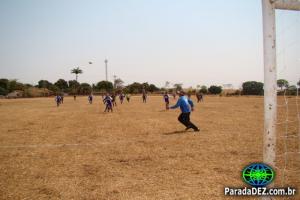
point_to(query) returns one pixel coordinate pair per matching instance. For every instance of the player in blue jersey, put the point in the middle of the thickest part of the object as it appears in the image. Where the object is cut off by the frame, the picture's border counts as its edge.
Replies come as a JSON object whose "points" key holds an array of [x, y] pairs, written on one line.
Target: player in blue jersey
{"points": [[186, 106]]}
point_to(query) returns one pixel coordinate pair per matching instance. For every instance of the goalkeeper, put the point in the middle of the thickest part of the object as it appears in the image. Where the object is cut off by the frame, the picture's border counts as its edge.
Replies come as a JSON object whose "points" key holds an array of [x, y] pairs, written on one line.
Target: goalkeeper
{"points": [[186, 106]]}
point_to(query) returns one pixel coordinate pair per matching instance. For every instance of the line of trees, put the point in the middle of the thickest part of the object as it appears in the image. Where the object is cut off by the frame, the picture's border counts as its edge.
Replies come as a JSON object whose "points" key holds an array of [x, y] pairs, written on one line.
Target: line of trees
{"points": [[257, 88], [74, 87]]}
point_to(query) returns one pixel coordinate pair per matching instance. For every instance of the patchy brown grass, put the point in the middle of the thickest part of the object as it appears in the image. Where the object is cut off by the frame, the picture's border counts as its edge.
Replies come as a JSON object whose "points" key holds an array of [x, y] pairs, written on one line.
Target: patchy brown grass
{"points": [[138, 152]]}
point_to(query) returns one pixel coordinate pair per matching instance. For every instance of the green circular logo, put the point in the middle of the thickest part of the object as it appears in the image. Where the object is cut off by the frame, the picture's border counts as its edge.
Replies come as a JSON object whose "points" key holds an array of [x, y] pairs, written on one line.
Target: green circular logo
{"points": [[258, 174]]}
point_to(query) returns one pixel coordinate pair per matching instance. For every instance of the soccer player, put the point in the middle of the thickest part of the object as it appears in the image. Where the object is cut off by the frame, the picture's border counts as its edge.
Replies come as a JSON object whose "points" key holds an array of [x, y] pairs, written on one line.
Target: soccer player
{"points": [[121, 96], [90, 98], [199, 97], [57, 100], [144, 96], [174, 95], [186, 106], [128, 97], [108, 102], [166, 98], [114, 102], [62, 98]]}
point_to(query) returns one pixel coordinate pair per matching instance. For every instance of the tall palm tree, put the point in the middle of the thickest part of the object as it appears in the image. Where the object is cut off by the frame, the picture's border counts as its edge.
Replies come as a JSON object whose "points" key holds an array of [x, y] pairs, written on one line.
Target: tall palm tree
{"points": [[76, 71]]}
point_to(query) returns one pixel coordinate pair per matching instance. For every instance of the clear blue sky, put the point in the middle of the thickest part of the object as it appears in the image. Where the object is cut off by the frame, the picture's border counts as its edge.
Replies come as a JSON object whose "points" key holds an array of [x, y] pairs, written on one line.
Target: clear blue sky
{"points": [[190, 42]]}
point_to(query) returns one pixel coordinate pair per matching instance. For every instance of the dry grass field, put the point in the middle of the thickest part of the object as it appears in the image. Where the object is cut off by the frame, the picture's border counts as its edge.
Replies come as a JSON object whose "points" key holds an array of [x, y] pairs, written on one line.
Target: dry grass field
{"points": [[139, 151]]}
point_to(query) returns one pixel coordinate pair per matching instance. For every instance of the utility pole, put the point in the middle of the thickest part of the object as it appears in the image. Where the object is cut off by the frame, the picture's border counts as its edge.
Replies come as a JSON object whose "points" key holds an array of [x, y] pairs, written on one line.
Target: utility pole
{"points": [[106, 61], [115, 78]]}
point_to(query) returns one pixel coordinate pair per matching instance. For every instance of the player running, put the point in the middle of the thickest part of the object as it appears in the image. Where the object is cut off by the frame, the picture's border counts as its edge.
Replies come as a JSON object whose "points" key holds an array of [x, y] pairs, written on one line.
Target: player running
{"points": [[186, 106]]}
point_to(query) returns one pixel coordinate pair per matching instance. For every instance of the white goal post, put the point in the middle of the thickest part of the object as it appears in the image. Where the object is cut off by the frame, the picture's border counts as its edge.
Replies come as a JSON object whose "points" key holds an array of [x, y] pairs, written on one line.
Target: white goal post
{"points": [[270, 77]]}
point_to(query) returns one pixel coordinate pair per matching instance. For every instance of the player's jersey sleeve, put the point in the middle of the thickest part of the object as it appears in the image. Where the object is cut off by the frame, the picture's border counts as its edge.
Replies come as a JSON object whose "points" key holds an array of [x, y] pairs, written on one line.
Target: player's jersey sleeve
{"points": [[177, 104]]}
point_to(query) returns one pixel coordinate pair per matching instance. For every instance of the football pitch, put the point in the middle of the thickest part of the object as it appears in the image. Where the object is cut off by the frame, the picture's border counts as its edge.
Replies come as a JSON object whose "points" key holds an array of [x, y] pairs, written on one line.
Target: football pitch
{"points": [[140, 151]]}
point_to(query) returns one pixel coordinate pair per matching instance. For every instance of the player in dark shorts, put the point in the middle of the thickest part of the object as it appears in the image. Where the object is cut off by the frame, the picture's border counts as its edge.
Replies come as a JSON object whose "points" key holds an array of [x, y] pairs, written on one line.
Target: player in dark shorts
{"points": [[114, 102], [128, 97], [186, 106], [121, 96], [144, 95], [108, 103], [167, 102], [90, 98], [57, 100], [199, 97], [144, 98]]}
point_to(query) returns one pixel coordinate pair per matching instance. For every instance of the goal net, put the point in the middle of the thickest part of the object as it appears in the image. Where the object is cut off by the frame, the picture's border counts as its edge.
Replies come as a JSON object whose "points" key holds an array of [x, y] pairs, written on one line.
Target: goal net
{"points": [[287, 160]]}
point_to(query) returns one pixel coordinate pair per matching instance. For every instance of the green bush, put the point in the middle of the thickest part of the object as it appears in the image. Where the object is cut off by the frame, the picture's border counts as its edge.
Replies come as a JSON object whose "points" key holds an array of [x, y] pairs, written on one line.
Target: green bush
{"points": [[134, 88], [203, 89], [253, 88], [215, 89], [292, 90], [85, 89], [153, 88], [105, 85], [3, 91], [4, 83]]}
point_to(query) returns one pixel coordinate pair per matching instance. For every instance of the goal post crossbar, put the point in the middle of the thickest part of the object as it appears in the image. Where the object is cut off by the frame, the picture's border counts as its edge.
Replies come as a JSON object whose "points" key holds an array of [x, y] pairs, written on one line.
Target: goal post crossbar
{"points": [[286, 4]]}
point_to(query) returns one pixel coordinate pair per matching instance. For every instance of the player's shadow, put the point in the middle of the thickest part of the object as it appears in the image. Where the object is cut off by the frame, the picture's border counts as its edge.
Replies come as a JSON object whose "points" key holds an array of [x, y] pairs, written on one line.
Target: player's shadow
{"points": [[175, 132]]}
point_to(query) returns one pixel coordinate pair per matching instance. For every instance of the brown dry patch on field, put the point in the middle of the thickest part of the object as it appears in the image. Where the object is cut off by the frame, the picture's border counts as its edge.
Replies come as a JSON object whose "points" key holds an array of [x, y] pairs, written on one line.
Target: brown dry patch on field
{"points": [[138, 152]]}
